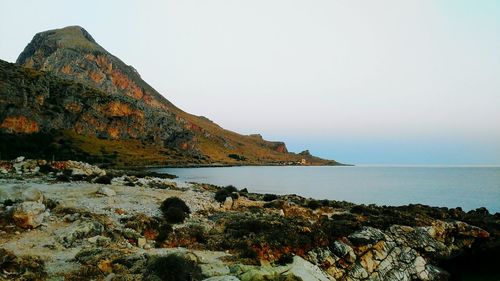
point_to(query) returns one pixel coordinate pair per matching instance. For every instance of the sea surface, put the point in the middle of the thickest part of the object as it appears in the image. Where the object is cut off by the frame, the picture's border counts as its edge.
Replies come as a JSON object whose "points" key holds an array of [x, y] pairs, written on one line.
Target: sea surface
{"points": [[465, 187]]}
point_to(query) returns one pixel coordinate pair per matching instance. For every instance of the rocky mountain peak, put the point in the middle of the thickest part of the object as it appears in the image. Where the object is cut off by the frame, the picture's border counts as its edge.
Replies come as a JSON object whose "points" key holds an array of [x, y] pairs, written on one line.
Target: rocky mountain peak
{"points": [[46, 43]]}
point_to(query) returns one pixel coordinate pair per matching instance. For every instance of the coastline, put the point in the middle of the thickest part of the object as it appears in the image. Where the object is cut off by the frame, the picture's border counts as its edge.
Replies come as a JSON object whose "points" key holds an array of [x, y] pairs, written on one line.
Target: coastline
{"points": [[225, 165], [230, 233]]}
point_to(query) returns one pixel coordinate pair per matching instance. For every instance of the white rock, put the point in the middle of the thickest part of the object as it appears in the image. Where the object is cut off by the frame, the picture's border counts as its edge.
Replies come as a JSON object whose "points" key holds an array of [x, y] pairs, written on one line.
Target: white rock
{"points": [[93, 240], [19, 159], [106, 191], [228, 203], [141, 242]]}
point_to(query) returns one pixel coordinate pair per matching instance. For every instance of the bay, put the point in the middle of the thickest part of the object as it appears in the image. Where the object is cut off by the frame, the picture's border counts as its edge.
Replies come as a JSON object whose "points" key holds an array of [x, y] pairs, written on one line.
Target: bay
{"points": [[465, 187]]}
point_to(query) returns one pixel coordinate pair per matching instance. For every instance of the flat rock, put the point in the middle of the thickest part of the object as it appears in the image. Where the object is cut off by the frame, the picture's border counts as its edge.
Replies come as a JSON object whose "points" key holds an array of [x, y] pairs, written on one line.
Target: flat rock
{"points": [[32, 194], [106, 191]]}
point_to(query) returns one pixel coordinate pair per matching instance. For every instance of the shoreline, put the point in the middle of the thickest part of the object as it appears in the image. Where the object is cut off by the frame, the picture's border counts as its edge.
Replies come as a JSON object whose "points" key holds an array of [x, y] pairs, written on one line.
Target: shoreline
{"points": [[95, 220], [221, 165]]}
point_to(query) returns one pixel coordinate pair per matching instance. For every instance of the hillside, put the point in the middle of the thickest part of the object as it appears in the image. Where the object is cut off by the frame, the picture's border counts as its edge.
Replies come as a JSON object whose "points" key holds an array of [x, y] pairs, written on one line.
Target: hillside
{"points": [[70, 95]]}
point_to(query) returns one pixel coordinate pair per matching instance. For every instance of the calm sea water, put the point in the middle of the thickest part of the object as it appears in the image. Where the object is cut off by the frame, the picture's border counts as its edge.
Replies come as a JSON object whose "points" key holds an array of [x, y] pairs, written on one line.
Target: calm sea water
{"points": [[466, 187]]}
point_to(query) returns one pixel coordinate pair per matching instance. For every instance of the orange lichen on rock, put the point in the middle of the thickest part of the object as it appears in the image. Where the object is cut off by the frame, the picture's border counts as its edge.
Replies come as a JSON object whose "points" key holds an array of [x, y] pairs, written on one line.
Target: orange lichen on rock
{"points": [[73, 107], [114, 133], [97, 77], [87, 124], [40, 100], [66, 69], [120, 80], [19, 124], [118, 109], [151, 101]]}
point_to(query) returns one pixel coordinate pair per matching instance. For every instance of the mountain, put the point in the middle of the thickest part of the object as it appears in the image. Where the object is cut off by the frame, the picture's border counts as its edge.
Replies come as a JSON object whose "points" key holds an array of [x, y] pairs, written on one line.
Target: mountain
{"points": [[69, 93]]}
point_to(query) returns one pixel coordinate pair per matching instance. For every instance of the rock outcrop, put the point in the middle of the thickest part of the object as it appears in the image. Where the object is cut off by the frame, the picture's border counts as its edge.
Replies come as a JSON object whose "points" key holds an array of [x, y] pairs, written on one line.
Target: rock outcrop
{"points": [[129, 233]]}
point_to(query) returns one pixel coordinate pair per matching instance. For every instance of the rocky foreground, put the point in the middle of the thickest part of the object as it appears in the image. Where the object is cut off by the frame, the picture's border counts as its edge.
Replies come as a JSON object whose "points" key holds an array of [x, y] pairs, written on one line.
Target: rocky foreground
{"points": [[67, 220]]}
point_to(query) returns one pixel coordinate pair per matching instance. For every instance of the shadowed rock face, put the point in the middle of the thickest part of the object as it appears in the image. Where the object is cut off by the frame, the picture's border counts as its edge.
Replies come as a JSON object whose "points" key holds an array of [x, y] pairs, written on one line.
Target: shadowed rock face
{"points": [[38, 102], [113, 102]]}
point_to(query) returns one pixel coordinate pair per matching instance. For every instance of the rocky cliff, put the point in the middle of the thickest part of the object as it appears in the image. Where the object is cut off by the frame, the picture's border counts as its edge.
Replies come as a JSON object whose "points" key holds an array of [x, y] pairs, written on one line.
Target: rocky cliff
{"points": [[72, 87]]}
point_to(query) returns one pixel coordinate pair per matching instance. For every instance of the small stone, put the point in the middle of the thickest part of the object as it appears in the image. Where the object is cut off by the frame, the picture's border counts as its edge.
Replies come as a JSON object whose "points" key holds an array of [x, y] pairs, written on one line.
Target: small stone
{"points": [[147, 247], [120, 211], [17, 233], [141, 242], [106, 191], [110, 277], [93, 240]]}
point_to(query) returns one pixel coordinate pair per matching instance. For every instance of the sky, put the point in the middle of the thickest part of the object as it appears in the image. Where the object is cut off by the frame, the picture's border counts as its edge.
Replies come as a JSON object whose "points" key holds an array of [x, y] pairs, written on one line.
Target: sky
{"points": [[366, 82]]}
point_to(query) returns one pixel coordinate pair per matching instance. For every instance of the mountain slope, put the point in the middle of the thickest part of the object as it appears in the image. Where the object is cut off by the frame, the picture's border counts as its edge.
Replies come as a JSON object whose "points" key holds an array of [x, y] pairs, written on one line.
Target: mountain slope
{"points": [[131, 110]]}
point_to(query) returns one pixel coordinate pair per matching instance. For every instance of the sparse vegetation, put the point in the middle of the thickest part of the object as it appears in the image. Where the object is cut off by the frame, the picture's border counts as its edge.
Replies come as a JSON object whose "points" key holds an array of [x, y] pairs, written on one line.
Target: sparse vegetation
{"points": [[237, 157]]}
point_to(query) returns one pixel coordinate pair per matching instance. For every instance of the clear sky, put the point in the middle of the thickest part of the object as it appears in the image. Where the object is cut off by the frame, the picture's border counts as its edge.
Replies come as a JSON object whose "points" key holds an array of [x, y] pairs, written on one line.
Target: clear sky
{"points": [[365, 82]]}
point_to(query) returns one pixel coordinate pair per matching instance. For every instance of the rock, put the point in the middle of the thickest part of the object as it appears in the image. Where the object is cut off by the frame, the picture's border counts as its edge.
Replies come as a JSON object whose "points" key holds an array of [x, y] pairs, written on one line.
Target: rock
{"points": [[28, 214], [71, 217], [306, 270], [228, 203], [83, 169], [141, 242], [19, 159], [99, 240], [130, 233], [77, 231], [344, 251], [106, 191], [32, 194], [110, 277], [93, 240], [214, 269], [367, 235]]}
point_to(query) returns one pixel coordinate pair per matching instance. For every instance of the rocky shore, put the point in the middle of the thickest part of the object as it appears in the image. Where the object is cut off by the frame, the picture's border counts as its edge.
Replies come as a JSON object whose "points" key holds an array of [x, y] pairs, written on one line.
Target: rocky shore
{"points": [[68, 220]]}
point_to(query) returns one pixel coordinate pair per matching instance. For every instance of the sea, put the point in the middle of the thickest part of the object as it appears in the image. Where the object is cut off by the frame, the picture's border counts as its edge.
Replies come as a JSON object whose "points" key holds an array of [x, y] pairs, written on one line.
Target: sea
{"points": [[442, 186]]}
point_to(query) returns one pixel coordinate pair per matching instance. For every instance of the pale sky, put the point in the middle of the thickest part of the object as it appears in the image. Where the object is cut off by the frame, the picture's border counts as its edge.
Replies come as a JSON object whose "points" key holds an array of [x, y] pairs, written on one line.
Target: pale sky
{"points": [[364, 82]]}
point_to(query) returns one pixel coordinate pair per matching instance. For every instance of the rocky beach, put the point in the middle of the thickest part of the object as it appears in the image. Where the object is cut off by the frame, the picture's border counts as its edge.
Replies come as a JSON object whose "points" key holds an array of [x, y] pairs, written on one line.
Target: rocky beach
{"points": [[68, 220]]}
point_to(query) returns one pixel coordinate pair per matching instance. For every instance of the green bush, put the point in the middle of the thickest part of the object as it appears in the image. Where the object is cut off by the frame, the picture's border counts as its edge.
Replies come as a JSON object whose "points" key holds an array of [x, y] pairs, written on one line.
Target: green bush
{"points": [[228, 191], [106, 179], [269, 197], [313, 204], [172, 268], [174, 210]]}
